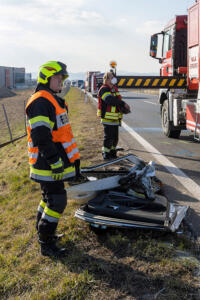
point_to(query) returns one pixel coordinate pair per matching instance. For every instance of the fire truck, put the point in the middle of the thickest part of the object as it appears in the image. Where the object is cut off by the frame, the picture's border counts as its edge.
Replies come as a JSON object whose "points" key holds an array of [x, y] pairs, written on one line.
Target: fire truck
{"points": [[177, 50], [89, 81], [96, 83]]}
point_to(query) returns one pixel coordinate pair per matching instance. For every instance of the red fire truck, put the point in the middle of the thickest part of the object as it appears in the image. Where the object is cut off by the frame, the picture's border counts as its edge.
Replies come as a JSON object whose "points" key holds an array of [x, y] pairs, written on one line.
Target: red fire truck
{"points": [[177, 49], [96, 82], [89, 78]]}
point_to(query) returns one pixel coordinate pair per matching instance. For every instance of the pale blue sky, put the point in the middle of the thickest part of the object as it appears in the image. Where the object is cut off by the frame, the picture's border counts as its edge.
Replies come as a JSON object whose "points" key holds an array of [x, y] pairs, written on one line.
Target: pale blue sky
{"points": [[84, 34]]}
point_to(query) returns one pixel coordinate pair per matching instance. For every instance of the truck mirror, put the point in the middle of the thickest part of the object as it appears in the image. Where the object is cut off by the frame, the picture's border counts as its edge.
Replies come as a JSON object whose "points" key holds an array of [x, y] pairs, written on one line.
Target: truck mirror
{"points": [[154, 45]]}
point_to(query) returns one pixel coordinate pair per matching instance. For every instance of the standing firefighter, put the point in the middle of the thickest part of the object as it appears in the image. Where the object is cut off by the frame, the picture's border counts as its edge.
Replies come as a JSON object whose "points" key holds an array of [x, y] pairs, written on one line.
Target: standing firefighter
{"points": [[53, 153], [110, 108]]}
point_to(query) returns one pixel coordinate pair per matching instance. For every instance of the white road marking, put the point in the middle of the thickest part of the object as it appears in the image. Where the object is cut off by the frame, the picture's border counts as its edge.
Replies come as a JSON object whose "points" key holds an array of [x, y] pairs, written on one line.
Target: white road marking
{"points": [[187, 183], [150, 102], [182, 178]]}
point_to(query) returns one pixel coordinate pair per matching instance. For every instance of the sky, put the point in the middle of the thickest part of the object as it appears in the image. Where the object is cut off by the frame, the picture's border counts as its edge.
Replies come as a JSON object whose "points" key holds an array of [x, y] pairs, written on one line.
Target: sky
{"points": [[84, 34]]}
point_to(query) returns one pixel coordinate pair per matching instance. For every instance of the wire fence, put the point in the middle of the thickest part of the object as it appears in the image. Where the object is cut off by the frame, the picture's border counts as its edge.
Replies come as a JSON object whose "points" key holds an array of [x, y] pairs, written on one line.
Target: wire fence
{"points": [[13, 117], [12, 121]]}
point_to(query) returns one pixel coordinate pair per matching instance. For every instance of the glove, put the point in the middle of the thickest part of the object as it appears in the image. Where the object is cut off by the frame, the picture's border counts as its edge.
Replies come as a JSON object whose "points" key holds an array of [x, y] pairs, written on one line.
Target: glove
{"points": [[57, 170], [77, 167], [125, 109]]}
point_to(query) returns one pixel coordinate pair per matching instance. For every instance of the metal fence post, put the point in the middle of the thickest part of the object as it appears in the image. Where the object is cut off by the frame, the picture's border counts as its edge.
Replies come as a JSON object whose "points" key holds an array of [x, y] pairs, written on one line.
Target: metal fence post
{"points": [[25, 115], [10, 133]]}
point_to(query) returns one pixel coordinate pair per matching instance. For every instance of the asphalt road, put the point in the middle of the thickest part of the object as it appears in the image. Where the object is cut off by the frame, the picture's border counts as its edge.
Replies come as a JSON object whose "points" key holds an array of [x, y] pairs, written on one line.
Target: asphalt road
{"points": [[177, 160]]}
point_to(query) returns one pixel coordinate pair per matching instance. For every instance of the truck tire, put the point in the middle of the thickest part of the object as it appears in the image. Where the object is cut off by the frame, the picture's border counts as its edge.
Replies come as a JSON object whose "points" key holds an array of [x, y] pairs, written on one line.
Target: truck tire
{"points": [[167, 126]]}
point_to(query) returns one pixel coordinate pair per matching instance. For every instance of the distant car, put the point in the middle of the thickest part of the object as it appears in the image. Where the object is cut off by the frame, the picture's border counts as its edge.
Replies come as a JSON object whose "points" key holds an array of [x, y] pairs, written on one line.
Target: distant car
{"points": [[80, 84], [73, 83]]}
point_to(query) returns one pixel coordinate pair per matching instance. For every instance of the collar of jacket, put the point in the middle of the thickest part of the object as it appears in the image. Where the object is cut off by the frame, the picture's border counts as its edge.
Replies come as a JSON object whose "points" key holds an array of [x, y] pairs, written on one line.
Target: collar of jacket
{"points": [[42, 87]]}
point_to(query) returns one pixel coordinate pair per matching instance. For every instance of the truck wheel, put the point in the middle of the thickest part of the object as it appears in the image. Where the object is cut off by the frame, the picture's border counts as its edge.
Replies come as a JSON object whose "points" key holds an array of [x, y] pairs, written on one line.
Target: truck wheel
{"points": [[168, 128]]}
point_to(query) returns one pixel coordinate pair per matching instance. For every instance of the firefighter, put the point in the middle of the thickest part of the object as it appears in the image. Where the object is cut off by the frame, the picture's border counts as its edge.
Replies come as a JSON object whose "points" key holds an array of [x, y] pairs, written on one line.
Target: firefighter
{"points": [[110, 108], [53, 153]]}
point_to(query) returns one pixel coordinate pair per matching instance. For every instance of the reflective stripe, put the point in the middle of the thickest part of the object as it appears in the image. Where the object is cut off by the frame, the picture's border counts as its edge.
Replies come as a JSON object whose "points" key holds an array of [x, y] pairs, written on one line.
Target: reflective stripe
{"points": [[30, 145], [111, 116], [32, 155], [42, 204], [40, 209], [45, 175], [57, 164], [66, 145], [49, 218], [113, 109], [105, 95], [49, 172], [40, 120], [112, 113], [109, 122], [41, 123], [70, 154], [51, 213], [99, 113]]}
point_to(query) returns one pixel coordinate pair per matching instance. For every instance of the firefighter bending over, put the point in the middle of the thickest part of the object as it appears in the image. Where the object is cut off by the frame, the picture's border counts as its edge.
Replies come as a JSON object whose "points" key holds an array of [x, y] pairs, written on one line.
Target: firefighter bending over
{"points": [[110, 108], [53, 153]]}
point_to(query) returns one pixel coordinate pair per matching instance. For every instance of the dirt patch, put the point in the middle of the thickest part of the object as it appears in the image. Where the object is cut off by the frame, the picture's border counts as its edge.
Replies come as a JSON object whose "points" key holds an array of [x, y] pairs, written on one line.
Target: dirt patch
{"points": [[5, 92]]}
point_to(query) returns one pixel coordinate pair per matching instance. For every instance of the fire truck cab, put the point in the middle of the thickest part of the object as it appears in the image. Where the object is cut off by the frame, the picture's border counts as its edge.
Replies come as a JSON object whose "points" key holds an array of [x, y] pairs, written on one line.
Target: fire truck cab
{"points": [[177, 50]]}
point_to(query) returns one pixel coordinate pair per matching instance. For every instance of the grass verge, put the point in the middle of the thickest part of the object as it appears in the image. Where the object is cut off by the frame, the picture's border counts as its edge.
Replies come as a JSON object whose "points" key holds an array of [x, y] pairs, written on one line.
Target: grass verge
{"points": [[111, 264]]}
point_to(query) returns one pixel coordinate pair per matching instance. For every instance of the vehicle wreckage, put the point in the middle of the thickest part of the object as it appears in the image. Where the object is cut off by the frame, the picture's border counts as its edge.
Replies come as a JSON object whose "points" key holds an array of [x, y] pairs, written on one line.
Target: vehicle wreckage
{"points": [[126, 196]]}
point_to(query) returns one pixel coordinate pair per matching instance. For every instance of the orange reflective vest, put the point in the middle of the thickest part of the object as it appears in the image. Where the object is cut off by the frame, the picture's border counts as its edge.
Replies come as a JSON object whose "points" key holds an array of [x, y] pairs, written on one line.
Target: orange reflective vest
{"points": [[62, 134]]}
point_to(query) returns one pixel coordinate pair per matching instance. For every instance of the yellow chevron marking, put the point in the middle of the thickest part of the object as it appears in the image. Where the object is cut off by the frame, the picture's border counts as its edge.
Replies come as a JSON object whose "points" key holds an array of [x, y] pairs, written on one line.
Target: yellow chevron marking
{"points": [[121, 82], [155, 82], [181, 81], [147, 81], [163, 83], [138, 82], [130, 81], [172, 82]]}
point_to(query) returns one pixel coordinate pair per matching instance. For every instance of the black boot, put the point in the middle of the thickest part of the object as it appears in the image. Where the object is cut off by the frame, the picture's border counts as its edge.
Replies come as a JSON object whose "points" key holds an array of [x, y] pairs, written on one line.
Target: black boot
{"points": [[113, 153], [38, 217], [58, 236], [49, 247], [106, 155]]}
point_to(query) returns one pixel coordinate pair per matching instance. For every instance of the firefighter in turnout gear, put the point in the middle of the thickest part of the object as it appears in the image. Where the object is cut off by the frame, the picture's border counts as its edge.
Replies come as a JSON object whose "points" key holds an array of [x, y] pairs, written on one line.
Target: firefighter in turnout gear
{"points": [[53, 153], [110, 108]]}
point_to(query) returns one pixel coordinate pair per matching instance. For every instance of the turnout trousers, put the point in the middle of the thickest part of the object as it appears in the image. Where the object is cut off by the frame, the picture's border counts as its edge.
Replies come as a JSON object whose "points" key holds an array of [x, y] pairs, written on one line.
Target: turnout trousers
{"points": [[52, 205], [111, 135]]}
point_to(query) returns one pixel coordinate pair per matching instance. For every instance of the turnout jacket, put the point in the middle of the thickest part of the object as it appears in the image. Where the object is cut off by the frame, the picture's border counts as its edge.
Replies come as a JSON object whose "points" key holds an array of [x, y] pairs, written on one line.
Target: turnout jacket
{"points": [[109, 105], [49, 135]]}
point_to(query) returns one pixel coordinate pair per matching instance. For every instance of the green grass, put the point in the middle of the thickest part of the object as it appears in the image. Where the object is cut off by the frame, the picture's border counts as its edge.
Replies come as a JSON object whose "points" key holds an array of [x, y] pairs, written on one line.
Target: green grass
{"points": [[111, 264]]}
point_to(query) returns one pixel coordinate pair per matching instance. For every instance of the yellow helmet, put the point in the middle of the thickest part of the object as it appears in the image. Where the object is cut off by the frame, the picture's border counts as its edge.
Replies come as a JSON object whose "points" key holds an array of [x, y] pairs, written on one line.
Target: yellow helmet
{"points": [[51, 68]]}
